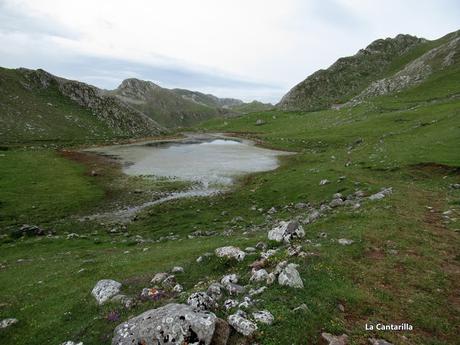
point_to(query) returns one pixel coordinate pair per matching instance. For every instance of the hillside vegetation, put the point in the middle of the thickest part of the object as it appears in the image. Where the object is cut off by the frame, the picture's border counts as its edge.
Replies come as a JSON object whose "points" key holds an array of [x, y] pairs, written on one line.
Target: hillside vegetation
{"points": [[388, 252]]}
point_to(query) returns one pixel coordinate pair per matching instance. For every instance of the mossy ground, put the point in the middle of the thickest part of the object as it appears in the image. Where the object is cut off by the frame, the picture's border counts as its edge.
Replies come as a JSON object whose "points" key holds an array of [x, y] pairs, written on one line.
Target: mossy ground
{"points": [[403, 266]]}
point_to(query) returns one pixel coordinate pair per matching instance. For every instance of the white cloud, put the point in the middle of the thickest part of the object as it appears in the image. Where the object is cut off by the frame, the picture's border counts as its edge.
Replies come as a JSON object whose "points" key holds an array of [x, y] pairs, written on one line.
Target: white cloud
{"points": [[270, 44]]}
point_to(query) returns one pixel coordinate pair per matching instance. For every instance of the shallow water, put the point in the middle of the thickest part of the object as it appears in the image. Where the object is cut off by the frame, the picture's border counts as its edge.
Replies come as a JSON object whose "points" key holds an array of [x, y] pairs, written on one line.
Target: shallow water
{"points": [[212, 162]]}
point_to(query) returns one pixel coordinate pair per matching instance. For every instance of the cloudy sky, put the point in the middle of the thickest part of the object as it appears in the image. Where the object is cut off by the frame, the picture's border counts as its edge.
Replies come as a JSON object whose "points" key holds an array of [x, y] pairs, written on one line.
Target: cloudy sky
{"points": [[248, 49]]}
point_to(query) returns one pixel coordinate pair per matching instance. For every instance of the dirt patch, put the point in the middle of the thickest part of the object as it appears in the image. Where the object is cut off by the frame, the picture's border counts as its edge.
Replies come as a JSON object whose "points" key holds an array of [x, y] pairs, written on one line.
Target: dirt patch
{"points": [[432, 169]]}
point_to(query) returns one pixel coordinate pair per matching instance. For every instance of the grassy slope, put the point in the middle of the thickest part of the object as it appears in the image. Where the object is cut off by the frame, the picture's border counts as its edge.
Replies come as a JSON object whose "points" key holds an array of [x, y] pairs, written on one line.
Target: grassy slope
{"points": [[418, 285], [43, 115]]}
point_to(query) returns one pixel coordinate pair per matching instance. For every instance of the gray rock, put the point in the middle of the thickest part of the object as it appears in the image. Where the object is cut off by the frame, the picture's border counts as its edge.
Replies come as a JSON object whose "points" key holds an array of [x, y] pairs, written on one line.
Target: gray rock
{"points": [[272, 210], [280, 267], [286, 231], [177, 269], [247, 302], [126, 301], [263, 316], [229, 278], [250, 249], [160, 326], [259, 276], [314, 215], [261, 246], [345, 242], [260, 122], [302, 307], [201, 301], [254, 292], [271, 278], [230, 252], [300, 205], [374, 341], [70, 342], [159, 277], [215, 291], [336, 202], [105, 289], [230, 303], [242, 325], [324, 182], [268, 253], [289, 276], [335, 339], [178, 288], [7, 322]]}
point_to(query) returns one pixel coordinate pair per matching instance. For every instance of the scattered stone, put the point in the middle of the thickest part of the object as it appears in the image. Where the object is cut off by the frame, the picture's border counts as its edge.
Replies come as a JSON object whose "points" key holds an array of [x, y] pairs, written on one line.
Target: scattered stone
{"points": [[250, 249], [289, 276], [202, 257], [105, 289], [31, 230], [259, 276], [336, 202], [334, 339], [254, 292], [178, 288], [230, 303], [260, 122], [294, 250], [314, 215], [231, 252], [201, 301], [70, 342], [272, 210], [300, 205], [177, 269], [261, 246], [324, 182], [159, 278], [374, 341], [228, 279], [215, 291], [380, 195], [172, 321], [258, 264], [268, 253], [169, 282], [152, 294], [345, 242], [126, 301], [280, 267], [246, 303], [7, 322], [455, 186], [242, 325], [341, 307], [263, 316], [286, 231]]}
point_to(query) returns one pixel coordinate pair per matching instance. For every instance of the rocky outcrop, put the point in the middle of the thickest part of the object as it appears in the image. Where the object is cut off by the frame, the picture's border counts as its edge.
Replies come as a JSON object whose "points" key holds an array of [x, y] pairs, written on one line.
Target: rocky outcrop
{"points": [[118, 116], [348, 76], [170, 324]]}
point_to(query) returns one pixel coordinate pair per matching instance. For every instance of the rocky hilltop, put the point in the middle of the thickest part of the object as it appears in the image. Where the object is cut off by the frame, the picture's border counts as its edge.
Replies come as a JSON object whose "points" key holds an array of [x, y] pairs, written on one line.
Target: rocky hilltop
{"points": [[363, 73], [40, 106]]}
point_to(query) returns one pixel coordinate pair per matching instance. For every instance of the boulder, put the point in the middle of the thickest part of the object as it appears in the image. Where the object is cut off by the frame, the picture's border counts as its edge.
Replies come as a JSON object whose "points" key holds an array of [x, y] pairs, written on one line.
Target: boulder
{"points": [[263, 316], [335, 339], [242, 325], [231, 252], [172, 323], [259, 276], [286, 231], [201, 301], [289, 276], [105, 289]]}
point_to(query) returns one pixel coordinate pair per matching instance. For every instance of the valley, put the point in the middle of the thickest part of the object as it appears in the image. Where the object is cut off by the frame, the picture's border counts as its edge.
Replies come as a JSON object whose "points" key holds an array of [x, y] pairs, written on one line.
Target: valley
{"points": [[374, 185]]}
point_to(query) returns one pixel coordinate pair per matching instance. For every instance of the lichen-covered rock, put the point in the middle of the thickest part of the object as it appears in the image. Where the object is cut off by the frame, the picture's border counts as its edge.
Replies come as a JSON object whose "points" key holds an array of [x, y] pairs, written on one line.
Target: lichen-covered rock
{"points": [[105, 289], [242, 325], [231, 252], [201, 301], [289, 276], [215, 291], [229, 278], [286, 231], [234, 289], [172, 323], [230, 303], [259, 276], [263, 316]]}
